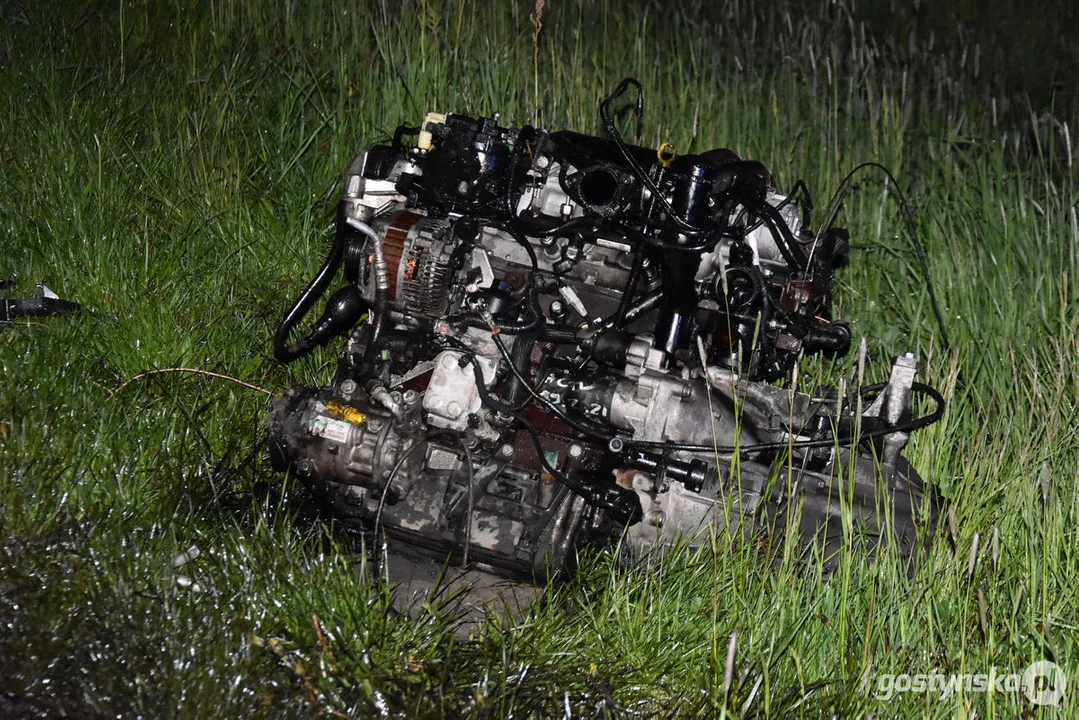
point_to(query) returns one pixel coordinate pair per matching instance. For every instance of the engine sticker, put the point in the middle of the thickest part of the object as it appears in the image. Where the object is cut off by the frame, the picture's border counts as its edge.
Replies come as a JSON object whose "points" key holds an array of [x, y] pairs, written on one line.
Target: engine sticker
{"points": [[327, 427]]}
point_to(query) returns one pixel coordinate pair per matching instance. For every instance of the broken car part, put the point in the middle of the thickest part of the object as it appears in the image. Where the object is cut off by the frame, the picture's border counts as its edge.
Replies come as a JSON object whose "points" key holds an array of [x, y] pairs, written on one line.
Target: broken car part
{"points": [[47, 305], [553, 339]]}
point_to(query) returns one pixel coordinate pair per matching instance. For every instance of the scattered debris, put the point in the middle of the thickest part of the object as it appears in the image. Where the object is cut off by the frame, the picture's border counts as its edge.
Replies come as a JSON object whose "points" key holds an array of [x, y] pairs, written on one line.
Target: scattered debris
{"points": [[47, 305]]}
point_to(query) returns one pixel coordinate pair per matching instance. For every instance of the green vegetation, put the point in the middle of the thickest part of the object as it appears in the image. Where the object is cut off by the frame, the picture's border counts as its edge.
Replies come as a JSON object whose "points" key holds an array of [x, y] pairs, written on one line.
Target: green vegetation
{"points": [[173, 167]]}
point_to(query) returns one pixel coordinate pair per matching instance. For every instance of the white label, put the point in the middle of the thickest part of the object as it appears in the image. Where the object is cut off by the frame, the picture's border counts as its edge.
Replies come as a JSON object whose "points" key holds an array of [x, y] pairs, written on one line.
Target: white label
{"points": [[331, 429]]}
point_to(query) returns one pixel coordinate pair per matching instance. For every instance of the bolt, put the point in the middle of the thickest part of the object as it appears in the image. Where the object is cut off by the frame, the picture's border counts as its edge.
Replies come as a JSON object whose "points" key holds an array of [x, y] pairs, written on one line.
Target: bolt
{"points": [[557, 309], [348, 387], [410, 397], [575, 450], [305, 468], [616, 445], [454, 409], [506, 450]]}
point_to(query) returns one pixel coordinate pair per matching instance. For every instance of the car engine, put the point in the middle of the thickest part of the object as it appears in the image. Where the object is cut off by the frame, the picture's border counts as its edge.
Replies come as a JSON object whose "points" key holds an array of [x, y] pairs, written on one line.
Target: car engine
{"points": [[553, 340]]}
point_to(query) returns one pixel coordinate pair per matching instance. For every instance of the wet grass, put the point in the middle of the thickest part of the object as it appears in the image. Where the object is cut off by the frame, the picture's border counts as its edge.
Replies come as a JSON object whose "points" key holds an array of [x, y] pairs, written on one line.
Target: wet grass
{"points": [[174, 169]]}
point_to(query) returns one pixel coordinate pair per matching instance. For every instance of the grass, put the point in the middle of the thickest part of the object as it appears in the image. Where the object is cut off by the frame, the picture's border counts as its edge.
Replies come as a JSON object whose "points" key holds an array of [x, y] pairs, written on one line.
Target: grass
{"points": [[173, 168]]}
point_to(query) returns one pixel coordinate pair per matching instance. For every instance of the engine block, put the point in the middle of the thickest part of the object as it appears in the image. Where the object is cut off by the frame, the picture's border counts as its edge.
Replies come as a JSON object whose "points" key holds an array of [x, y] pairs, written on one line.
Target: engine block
{"points": [[553, 339]]}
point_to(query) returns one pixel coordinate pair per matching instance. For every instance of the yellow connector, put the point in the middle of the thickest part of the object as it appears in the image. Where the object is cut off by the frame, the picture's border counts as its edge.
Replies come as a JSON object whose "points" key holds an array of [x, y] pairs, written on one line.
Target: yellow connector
{"points": [[346, 413]]}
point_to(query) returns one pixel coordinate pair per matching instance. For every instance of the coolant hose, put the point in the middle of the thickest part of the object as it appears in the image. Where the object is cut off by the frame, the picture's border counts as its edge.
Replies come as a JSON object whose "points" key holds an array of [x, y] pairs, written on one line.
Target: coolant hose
{"points": [[521, 357], [283, 351]]}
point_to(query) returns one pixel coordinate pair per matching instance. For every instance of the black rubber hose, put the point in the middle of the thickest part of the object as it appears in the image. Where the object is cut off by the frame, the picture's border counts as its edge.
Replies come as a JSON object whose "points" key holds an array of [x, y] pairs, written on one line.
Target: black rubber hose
{"points": [[521, 359], [645, 304], [399, 136], [782, 234], [631, 288], [562, 334], [834, 338], [284, 352]]}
